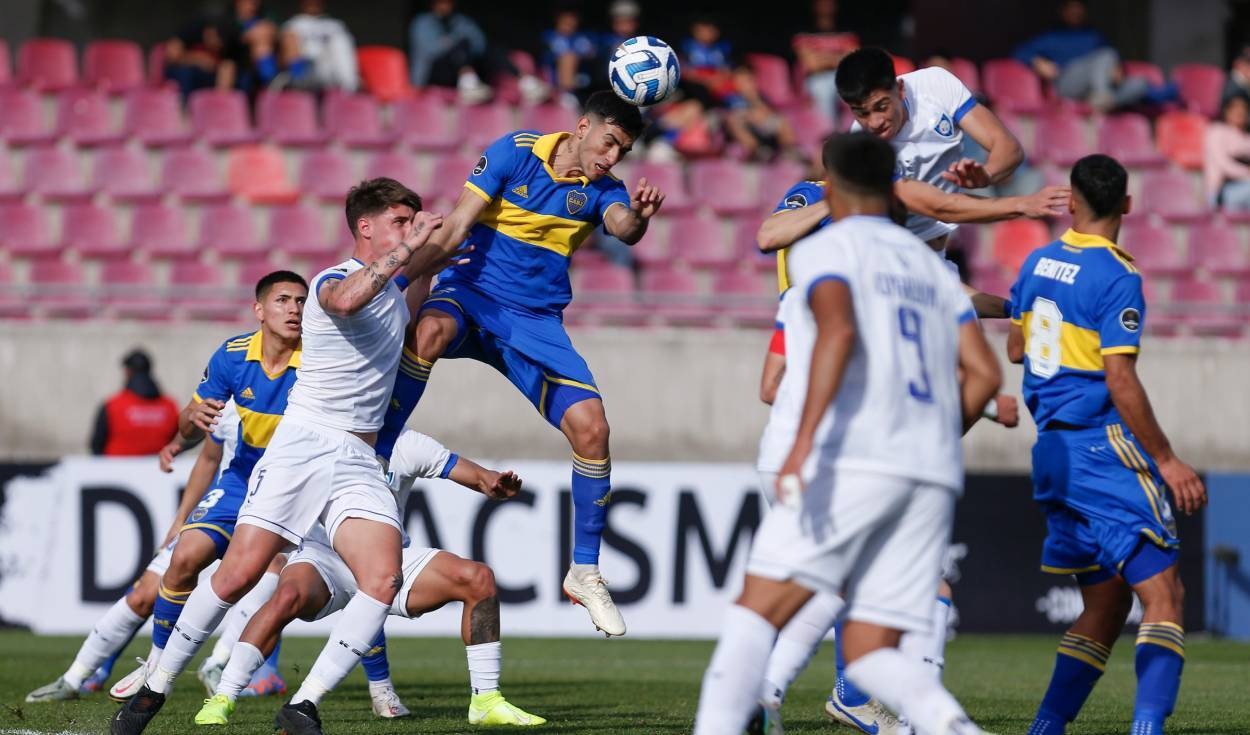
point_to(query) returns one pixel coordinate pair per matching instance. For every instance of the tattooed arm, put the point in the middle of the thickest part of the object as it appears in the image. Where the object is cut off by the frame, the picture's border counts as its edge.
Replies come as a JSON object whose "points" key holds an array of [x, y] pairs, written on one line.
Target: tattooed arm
{"points": [[347, 296]]}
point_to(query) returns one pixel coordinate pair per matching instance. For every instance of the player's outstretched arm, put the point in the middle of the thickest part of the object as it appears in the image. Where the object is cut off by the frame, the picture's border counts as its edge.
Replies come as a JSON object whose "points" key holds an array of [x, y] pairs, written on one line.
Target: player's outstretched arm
{"points": [[982, 374], [445, 243], [203, 472], [629, 224], [1005, 152], [492, 484], [1015, 344], [346, 296], [1130, 399], [928, 200], [784, 228]]}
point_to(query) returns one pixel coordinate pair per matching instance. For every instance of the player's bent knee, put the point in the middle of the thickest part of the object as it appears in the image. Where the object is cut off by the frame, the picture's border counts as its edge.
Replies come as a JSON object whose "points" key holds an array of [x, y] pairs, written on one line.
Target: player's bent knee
{"points": [[141, 600], [381, 587], [230, 583], [288, 601], [590, 436], [434, 334], [477, 580]]}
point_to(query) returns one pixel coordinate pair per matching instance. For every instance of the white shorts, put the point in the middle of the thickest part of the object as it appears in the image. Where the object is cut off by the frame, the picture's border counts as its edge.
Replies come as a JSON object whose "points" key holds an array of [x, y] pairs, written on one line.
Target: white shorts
{"points": [[877, 540], [768, 487], [311, 473], [342, 584]]}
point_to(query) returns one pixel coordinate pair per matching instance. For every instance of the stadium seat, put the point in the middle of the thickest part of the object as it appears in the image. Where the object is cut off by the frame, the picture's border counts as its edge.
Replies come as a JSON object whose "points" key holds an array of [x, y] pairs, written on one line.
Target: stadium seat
{"points": [[1179, 136], [1145, 70], [423, 124], [1015, 239], [13, 304], [397, 166], [653, 249], [1012, 86], [113, 66], [355, 120], [902, 65], [220, 118], [155, 69], [700, 241], [56, 175], [249, 274], [227, 230], [92, 231], [202, 292], [124, 176], [22, 119], [772, 76], [668, 176], [607, 293], [154, 117], [1201, 86], [258, 173], [1153, 248], [47, 64], [1171, 195], [24, 231], [775, 179], [6, 65], [10, 188], [289, 118], [450, 173], [1217, 248], [83, 116], [968, 73], [327, 175], [1127, 138], [548, 118], [192, 175], [1060, 139], [675, 295], [384, 72], [748, 298], [724, 186], [811, 126], [1203, 308], [300, 232], [485, 124], [162, 232], [61, 289], [130, 291]]}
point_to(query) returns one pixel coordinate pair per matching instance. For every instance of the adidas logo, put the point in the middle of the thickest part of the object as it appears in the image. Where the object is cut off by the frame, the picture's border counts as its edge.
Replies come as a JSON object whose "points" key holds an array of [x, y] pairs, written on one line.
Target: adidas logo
{"points": [[522, 191], [247, 393]]}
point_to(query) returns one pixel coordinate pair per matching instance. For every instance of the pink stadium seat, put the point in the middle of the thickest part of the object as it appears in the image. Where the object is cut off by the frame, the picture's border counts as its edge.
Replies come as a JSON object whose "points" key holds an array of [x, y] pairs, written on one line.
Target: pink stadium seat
{"points": [[607, 293], [1201, 86], [653, 249], [485, 124], [92, 231], [1217, 248], [1179, 136], [24, 231], [668, 176], [289, 118], [327, 175], [397, 166], [450, 173], [384, 72], [1172, 195], [750, 299], [22, 119], [192, 175], [258, 173], [6, 64], [154, 117], [1127, 138], [228, 230], [1015, 239], [83, 116], [61, 289], [113, 65], [124, 176], [47, 64], [162, 232], [1012, 85], [10, 189], [424, 124], [772, 74], [1145, 70], [156, 66], [1204, 308], [201, 292], [1060, 139], [968, 73], [724, 187], [700, 241], [250, 273], [548, 118], [775, 179], [220, 118], [1153, 248], [56, 175], [812, 126], [675, 294], [300, 232], [355, 120], [13, 303], [130, 291]]}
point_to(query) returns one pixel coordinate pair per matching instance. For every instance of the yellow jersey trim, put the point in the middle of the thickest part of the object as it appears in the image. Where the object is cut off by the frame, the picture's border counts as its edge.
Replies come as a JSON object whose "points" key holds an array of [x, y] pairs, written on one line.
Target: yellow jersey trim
{"points": [[255, 349], [1065, 570], [477, 190], [545, 148], [574, 383], [258, 427], [209, 526], [1086, 240], [1122, 350], [1133, 460], [547, 231]]}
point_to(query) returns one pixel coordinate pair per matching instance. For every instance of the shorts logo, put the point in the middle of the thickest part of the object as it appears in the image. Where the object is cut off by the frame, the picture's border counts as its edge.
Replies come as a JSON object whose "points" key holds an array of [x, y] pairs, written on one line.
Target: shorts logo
{"points": [[944, 126], [1130, 319], [198, 513], [480, 167], [795, 201], [575, 201]]}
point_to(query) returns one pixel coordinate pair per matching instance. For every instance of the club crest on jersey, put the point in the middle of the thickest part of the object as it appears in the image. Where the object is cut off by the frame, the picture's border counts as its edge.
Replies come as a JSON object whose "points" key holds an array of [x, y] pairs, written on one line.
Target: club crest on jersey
{"points": [[575, 201], [796, 201], [480, 167], [944, 126]]}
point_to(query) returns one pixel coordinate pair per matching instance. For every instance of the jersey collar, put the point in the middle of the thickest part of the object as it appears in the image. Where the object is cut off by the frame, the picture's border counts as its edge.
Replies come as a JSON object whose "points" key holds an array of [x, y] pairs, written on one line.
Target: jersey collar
{"points": [[254, 353], [545, 148], [1085, 240]]}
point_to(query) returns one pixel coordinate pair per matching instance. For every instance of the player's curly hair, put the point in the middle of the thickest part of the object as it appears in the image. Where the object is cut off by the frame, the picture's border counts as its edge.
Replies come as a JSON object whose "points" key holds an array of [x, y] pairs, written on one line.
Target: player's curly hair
{"points": [[861, 163], [863, 72], [374, 196], [613, 110], [1102, 182]]}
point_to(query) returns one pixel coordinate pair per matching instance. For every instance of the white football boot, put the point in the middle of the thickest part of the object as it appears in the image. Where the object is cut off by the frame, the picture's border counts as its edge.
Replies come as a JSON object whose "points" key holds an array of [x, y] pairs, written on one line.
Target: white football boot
{"points": [[57, 691], [130, 684], [386, 702], [586, 587]]}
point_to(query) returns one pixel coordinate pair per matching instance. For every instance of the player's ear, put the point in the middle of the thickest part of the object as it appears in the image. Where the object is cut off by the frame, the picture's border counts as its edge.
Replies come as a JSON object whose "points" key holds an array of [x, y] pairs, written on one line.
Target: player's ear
{"points": [[1128, 205], [364, 227], [259, 311], [583, 126]]}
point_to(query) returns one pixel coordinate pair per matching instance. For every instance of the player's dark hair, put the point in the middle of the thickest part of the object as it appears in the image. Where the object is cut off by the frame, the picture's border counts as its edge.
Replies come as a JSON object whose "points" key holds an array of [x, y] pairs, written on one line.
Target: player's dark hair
{"points": [[860, 162], [613, 110], [1102, 182], [272, 279], [374, 196], [863, 72]]}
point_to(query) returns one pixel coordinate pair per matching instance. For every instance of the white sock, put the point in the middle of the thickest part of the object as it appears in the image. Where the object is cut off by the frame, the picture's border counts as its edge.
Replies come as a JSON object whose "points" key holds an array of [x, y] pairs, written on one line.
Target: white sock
{"points": [[732, 680], [242, 612], [796, 644], [485, 662], [930, 646], [110, 633], [380, 685], [907, 687], [351, 639], [200, 617], [244, 660]]}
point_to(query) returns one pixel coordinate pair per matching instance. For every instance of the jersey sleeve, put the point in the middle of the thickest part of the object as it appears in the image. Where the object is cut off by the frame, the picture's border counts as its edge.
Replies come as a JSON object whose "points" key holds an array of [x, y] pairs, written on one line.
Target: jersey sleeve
{"points": [[798, 196], [815, 260], [218, 378], [1121, 315], [955, 98], [418, 456], [617, 193], [493, 168]]}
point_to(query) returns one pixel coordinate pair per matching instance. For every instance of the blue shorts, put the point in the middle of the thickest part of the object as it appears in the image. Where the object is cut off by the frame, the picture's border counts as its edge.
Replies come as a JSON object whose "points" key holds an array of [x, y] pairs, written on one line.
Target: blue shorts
{"points": [[530, 348], [1107, 511], [218, 510]]}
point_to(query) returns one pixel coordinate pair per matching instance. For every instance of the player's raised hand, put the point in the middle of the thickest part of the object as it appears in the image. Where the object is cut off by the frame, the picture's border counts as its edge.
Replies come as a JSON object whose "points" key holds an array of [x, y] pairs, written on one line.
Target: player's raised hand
{"points": [[1186, 486], [1008, 410], [501, 485], [205, 414], [167, 454], [968, 173], [646, 199], [1049, 201], [423, 225]]}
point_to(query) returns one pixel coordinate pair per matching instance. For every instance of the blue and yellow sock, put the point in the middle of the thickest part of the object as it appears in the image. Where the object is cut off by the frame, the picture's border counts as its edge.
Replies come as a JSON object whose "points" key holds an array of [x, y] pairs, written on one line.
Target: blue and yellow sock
{"points": [[410, 382], [1078, 666], [592, 490], [165, 613], [1160, 659], [377, 668], [848, 693]]}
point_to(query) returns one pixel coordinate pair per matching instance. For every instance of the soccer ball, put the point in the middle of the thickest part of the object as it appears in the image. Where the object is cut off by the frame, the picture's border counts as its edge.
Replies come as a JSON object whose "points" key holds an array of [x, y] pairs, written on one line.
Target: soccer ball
{"points": [[644, 71]]}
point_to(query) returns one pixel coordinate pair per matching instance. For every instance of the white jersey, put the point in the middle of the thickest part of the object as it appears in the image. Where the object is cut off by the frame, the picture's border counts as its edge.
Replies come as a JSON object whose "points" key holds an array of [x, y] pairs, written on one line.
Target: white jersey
{"points": [[930, 139], [349, 362], [898, 409], [783, 416], [330, 46], [226, 433]]}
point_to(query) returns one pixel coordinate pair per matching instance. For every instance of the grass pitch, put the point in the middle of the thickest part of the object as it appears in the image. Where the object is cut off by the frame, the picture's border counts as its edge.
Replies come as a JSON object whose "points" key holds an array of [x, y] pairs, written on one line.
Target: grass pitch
{"points": [[630, 686]]}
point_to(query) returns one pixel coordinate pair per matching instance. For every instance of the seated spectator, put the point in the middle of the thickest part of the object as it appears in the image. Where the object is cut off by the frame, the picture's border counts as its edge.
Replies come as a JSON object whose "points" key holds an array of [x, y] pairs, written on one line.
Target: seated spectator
{"points": [[624, 19], [819, 51], [762, 132], [1225, 154], [448, 49], [1081, 63], [136, 420], [571, 56], [194, 58], [706, 60], [251, 47], [1239, 76], [318, 52]]}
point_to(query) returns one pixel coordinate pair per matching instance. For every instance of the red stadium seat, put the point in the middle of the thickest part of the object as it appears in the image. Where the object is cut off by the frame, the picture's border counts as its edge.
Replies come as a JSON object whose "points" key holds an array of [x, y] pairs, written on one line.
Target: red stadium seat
{"points": [[1217, 248], [724, 186], [228, 230], [83, 116], [289, 118], [1127, 138], [675, 294], [92, 231], [162, 232], [749, 298], [1172, 195], [607, 293], [300, 232], [61, 289], [424, 124], [56, 175], [485, 124], [192, 175], [6, 64], [10, 189], [1145, 70], [902, 65], [968, 73], [1179, 136], [24, 231], [124, 176], [13, 303], [548, 118], [1204, 309], [384, 72], [775, 179], [47, 64], [154, 117], [397, 166], [1060, 139], [1015, 239], [202, 292], [327, 175], [668, 176], [113, 65], [156, 65], [811, 126], [355, 120], [1012, 85], [450, 173], [1201, 86], [22, 119], [1153, 248], [220, 118], [700, 241], [130, 291], [258, 173], [772, 75]]}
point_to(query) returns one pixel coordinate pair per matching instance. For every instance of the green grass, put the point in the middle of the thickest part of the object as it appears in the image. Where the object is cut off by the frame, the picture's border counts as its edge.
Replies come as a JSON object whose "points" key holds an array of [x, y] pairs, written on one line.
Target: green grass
{"points": [[629, 686]]}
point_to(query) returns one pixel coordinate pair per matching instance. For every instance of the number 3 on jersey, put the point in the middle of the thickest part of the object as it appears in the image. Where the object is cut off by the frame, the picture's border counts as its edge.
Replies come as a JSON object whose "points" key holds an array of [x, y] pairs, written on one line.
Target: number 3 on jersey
{"points": [[909, 328], [1045, 329]]}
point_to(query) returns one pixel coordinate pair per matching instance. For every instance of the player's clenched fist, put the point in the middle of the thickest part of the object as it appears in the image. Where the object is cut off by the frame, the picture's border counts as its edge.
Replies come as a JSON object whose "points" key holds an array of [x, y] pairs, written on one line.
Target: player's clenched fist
{"points": [[205, 414], [646, 199]]}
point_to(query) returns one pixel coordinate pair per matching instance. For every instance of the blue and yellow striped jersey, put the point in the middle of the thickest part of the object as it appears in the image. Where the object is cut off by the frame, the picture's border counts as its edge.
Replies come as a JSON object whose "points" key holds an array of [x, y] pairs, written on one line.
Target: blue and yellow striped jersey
{"points": [[1076, 299], [235, 371], [796, 197], [532, 224]]}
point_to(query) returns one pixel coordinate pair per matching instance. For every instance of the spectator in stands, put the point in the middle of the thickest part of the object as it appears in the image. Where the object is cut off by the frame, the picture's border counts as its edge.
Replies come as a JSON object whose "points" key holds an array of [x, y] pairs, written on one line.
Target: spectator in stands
{"points": [[137, 420], [1226, 152], [1238, 82], [1081, 63], [624, 17], [318, 51], [819, 51], [251, 47], [707, 61], [571, 56], [761, 131], [449, 49], [194, 58]]}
